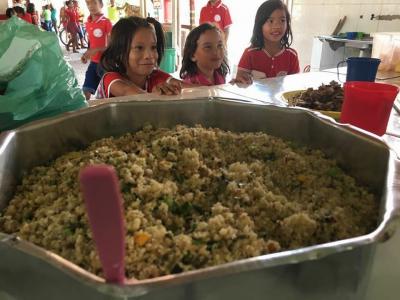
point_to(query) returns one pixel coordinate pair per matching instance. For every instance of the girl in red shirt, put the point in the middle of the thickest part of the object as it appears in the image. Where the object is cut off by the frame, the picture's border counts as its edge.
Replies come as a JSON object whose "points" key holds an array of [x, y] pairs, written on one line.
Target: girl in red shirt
{"points": [[131, 60], [21, 14], [72, 18], [30, 9], [270, 54], [204, 61]]}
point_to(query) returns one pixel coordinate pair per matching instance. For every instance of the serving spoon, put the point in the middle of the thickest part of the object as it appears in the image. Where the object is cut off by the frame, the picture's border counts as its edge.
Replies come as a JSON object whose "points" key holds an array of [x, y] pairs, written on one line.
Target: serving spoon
{"points": [[103, 201]]}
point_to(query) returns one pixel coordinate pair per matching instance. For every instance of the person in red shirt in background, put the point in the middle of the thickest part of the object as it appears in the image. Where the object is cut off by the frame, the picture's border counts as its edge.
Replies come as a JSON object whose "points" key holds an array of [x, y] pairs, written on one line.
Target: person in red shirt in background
{"points": [[217, 13], [72, 26], [21, 14], [98, 28], [30, 9], [80, 23], [63, 16]]}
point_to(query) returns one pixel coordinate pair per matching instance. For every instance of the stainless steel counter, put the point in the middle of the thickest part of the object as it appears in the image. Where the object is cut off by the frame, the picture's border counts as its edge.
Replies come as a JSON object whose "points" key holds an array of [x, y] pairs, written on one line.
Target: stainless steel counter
{"points": [[360, 44]]}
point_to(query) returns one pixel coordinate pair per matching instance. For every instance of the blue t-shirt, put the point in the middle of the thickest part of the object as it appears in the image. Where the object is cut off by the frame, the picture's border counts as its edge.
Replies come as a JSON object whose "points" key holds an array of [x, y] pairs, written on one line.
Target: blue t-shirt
{"points": [[54, 14]]}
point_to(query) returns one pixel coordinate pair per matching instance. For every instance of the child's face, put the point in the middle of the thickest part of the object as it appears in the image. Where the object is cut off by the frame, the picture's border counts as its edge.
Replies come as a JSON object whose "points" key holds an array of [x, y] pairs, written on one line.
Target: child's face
{"points": [[275, 27], [94, 6], [143, 54], [209, 53]]}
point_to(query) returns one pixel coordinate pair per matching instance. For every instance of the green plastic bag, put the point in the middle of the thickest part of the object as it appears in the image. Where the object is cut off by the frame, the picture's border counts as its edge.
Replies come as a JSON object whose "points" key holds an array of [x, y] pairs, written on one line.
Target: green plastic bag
{"points": [[35, 80]]}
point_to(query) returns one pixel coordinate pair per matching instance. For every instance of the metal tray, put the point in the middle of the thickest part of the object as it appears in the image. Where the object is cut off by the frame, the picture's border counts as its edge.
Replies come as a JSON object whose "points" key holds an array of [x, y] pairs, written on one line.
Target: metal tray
{"points": [[289, 97], [335, 270]]}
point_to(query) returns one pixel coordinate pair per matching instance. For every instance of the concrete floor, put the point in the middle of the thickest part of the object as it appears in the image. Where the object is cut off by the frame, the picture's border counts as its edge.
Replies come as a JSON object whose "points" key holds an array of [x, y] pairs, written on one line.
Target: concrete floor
{"points": [[74, 59]]}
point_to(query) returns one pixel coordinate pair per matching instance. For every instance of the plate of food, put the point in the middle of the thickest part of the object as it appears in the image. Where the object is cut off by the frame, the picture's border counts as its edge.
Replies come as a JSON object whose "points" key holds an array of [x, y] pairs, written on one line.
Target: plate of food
{"points": [[327, 99]]}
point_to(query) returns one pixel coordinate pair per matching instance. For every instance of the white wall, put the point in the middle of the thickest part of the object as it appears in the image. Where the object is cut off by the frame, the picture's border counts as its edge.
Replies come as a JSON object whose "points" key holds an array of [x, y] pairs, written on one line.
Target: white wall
{"points": [[319, 17], [4, 4], [309, 18]]}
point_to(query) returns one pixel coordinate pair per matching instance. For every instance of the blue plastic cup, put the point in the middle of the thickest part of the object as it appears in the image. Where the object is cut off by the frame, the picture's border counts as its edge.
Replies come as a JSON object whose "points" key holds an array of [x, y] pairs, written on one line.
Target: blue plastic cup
{"points": [[361, 68]]}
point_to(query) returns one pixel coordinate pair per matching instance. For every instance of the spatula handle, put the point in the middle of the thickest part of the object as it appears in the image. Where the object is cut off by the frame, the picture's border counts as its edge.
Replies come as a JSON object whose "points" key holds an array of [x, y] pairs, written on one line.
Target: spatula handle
{"points": [[103, 201]]}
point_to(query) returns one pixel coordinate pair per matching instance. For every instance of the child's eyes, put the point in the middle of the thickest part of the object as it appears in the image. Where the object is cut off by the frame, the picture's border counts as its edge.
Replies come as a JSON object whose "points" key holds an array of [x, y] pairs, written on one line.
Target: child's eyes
{"points": [[210, 47], [140, 48], [270, 21]]}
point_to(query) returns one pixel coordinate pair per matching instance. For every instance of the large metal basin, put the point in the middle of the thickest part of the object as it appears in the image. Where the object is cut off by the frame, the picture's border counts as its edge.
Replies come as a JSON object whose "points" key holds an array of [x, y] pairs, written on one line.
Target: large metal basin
{"points": [[336, 270]]}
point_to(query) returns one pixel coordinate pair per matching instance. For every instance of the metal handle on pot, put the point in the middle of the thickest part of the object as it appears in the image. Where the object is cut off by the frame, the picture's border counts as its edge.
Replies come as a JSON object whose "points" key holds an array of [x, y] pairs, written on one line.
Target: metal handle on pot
{"points": [[337, 69]]}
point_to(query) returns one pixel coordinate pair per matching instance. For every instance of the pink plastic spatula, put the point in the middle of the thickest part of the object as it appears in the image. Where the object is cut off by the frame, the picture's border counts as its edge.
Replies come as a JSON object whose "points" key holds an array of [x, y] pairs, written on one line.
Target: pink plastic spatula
{"points": [[100, 189]]}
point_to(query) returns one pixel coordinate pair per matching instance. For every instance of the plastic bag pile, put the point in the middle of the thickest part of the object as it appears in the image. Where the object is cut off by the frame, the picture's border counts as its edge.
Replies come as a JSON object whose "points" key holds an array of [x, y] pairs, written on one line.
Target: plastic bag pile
{"points": [[35, 80]]}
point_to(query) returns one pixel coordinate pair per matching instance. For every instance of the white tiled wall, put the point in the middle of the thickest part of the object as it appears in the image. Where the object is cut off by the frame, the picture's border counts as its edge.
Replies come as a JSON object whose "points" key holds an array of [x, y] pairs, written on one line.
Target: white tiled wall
{"points": [[319, 17]]}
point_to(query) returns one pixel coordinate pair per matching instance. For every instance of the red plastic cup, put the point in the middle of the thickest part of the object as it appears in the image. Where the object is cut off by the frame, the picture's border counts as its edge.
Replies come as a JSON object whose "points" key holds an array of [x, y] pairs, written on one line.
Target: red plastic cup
{"points": [[367, 105]]}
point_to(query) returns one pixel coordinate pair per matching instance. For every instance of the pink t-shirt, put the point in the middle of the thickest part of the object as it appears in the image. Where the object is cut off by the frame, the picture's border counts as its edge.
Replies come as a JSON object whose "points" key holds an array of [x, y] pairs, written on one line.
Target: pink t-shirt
{"points": [[199, 78], [109, 78], [261, 64]]}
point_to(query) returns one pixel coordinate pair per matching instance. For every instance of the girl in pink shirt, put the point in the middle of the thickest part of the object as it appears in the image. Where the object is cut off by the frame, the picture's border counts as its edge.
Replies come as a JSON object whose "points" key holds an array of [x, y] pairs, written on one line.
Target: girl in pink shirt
{"points": [[204, 61]]}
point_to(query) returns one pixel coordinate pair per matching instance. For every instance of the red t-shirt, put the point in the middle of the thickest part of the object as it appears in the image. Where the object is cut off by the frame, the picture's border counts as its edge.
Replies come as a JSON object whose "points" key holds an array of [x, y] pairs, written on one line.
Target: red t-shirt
{"points": [[27, 17], [261, 64], [98, 29], [72, 14], [217, 14], [109, 78], [35, 19], [199, 78]]}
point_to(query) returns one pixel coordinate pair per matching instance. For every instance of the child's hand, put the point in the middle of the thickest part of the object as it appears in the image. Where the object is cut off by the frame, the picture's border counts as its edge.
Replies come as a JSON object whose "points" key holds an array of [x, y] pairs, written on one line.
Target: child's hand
{"points": [[243, 77], [170, 87], [85, 57]]}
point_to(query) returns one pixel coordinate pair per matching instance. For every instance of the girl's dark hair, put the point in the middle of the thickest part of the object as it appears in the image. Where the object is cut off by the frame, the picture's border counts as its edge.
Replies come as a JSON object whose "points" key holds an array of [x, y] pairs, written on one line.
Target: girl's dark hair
{"points": [[115, 57], [30, 8], [19, 10], [10, 12], [263, 13], [189, 67], [160, 37]]}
